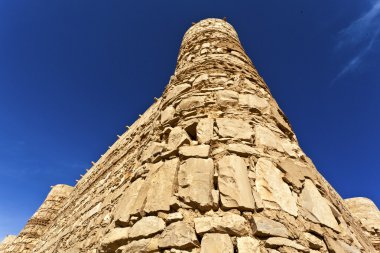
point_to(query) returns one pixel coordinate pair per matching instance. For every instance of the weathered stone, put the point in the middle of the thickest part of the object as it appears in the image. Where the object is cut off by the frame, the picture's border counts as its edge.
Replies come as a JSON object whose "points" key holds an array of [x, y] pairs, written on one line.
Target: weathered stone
{"points": [[333, 246], [195, 180], [146, 227], [234, 128], [216, 243], [191, 103], [161, 187], [314, 241], [114, 239], [265, 138], [266, 227], [229, 223], [235, 189], [253, 102], [226, 98], [241, 149], [140, 246], [349, 248], [294, 173], [195, 151], [205, 130], [153, 150], [167, 115], [248, 245], [275, 242], [272, 189], [316, 207], [201, 78], [179, 235], [172, 217], [177, 137], [176, 90]]}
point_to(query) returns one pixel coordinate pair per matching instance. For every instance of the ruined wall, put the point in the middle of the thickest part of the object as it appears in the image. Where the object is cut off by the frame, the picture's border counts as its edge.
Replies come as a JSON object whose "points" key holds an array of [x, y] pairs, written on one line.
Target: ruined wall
{"points": [[41, 219], [211, 166], [368, 215]]}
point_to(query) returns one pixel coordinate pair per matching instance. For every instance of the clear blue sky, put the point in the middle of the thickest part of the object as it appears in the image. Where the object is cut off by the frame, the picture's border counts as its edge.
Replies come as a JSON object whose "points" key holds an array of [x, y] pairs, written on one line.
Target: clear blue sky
{"points": [[74, 73]]}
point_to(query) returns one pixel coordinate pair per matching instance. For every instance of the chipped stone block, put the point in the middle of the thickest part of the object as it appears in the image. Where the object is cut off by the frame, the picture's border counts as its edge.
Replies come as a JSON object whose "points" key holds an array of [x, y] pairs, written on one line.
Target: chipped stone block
{"points": [[177, 137], [264, 137], [199, 151], [226, 98], [140, 246], [178, 235], [205, 130], [191, 103], [146, 227], [175, 91], [229, 223], [114, 239], [234, 128], [173, 217], [195, 180], [216, 243], [248, 245], [275, 242], [266, 227], [253, 102], [241, 149], [235, 189], [153, 150]]}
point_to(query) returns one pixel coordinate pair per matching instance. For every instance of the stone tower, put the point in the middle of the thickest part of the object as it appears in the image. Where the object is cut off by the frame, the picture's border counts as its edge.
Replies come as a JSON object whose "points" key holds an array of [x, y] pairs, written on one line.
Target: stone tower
{"points": [[212, 166]]}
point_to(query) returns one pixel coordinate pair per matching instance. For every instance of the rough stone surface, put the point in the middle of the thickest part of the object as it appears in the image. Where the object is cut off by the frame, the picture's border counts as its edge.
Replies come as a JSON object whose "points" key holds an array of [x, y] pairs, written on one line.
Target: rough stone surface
{"points": [[211, 155], [216, 243]]}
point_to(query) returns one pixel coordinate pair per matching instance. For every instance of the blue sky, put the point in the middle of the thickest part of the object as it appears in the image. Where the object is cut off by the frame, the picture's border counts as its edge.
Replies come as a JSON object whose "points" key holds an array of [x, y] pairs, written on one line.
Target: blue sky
{"points": [[74, 73]]}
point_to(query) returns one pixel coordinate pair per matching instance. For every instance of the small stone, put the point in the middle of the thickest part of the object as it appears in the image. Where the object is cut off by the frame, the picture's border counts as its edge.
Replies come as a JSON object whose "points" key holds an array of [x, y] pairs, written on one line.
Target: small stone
{"points": [[314, 241], [248, 245], [267, 227], [216, 243], [175, 91], [205, 130], [114, 239], [179, 235], [195, 151], [172, 217], [146, 227], [275, 242], [229, 223], [177, 137]]}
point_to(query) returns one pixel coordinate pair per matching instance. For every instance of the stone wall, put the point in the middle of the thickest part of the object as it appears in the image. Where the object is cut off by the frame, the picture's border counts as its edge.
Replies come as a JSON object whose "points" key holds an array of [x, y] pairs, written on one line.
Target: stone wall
{"points": [[211, 166], [41, 219], [368, 216], [6, 242]]}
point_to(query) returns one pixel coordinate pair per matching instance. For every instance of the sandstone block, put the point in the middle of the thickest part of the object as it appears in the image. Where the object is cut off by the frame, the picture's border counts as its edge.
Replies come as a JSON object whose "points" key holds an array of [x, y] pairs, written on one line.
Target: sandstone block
{"points": [[172, 217], [191, 103], [275, 242], [229, 223], [179, 235], [175, 91], [146, 227], [140, 246], [248, 245], [205, 130], [272, 189], [234, 128], [216, 243], [267, 227], [241, 149], [226, 98], [177, 137], [235, 189], [152, 151], [265, 138], [314, 241], [167, 115], [114, 239], [195, 151], [253, 102]]}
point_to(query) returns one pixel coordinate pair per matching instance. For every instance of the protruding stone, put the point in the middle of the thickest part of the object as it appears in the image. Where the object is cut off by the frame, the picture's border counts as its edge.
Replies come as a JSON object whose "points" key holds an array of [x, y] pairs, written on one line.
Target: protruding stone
{"points": [[233, 182], [200, 151], [272, 189], [167, 115], [314, 241], [265, 138], [234, 128], [178, 235], [248, 245], [177, 90], [191, 103], [146, 227], [229, 223], [253, 102], [216, 243], [241, 149], [173, 217], [275, 242], [114, 239], [266, 227], [226, 98], [205, 130], [177, 137], [316, 207], [195, 180], [200, 79]]}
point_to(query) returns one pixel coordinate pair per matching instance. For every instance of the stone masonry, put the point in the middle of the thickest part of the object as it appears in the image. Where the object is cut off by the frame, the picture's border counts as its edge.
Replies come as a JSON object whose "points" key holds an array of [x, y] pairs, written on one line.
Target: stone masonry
{"points": [[213, 166]]}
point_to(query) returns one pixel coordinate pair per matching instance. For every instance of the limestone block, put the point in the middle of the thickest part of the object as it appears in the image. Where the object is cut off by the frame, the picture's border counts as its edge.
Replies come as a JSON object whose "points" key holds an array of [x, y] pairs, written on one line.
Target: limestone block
{"points": [[191, 103], [229, 223], [146, 227], [161, 187], [316, 206], [266, 227], [234, 128], [195, 180], [177, 137], [275, 242], [216, 243], [179, 235], [241, 149], [253, 102], [140, 246], [248, 245], [114, 239], [235, 189], [272, 189], [195, 151], [226, 98], [205, 130], [265, 138], [167, 115]]}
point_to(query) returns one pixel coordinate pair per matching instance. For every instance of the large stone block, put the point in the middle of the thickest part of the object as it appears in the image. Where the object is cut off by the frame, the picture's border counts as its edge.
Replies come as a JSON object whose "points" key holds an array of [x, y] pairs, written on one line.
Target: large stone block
{"points": [[205, 129], [178, 235], [229, 223], [234, 128], [216, 243]]}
